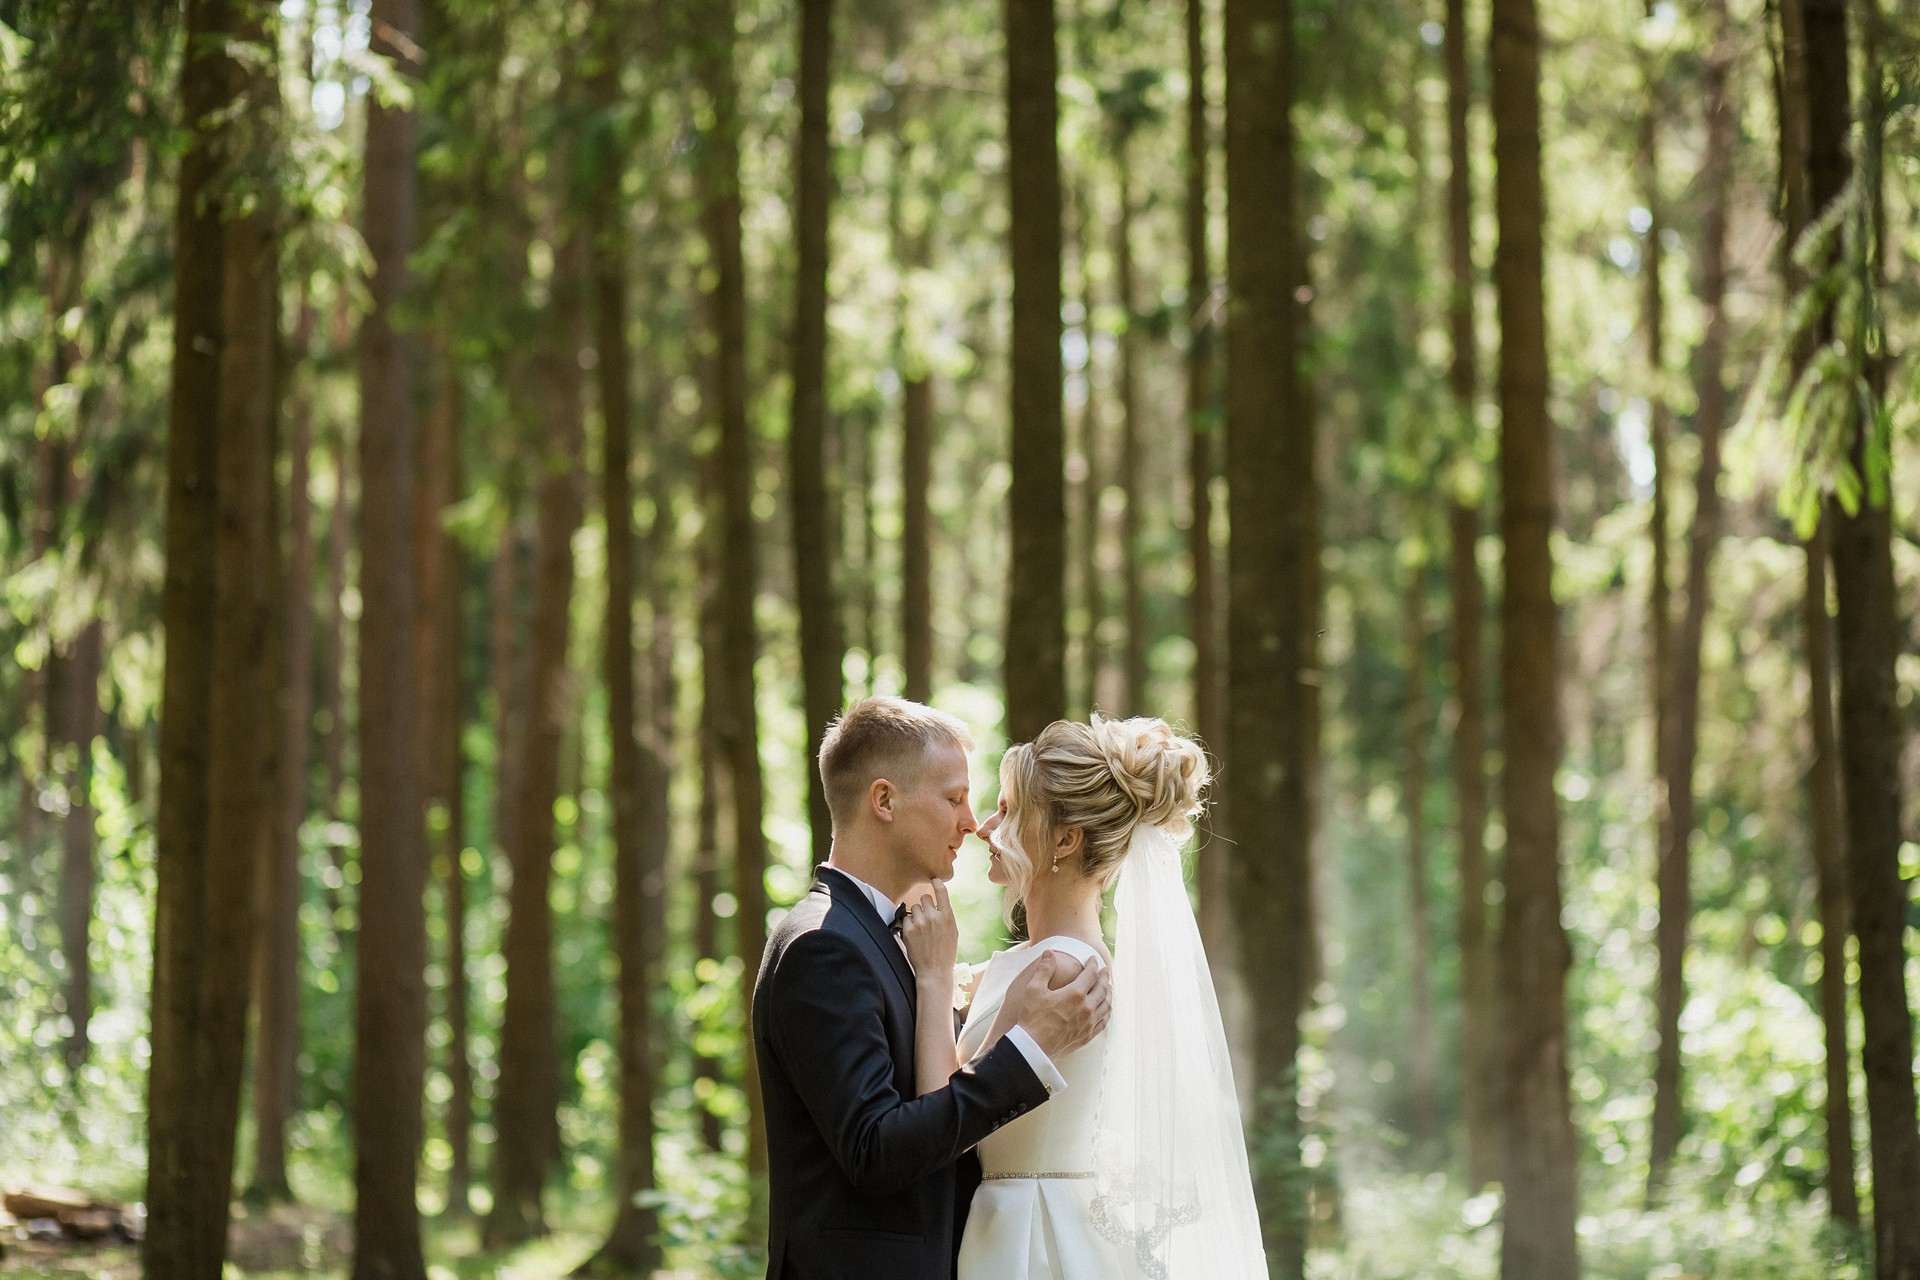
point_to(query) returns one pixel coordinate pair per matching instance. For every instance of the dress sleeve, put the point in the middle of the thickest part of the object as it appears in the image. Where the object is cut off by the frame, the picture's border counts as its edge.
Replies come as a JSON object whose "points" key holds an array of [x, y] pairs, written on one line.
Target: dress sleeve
{"points": [[830, 1035]]}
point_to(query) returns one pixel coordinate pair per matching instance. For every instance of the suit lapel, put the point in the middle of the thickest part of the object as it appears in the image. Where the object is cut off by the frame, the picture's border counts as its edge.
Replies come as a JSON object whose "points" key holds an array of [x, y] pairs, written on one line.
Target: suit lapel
{"points": [[840, 888]]}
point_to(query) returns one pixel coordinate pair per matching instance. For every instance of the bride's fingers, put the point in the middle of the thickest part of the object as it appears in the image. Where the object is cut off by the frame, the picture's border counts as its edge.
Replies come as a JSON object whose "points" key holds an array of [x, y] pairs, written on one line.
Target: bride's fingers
{"points": [[940, 895]]}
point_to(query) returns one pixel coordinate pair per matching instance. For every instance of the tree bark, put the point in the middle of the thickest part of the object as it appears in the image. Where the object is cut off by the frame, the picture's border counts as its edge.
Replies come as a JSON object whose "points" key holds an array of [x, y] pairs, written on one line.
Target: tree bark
{"points": [[1709, 364], [1537, 1239], [1823, 773], [632, 1245], [80, 723], [1423, 1057], [1270, 459], [1133, 606], [1671, 876], [277, 984], [822, 639], [1203, 624], [340, 521], [1035, 661], [916, 540], [1870, 724], [391, 998], [1479, 1055], [708, 869], [735, 720], [216, 601], [527, 1093]]}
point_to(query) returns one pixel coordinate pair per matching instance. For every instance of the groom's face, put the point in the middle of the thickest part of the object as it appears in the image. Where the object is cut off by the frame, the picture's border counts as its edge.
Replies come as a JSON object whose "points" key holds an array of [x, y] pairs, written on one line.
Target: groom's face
{"points": [[933, 816]]}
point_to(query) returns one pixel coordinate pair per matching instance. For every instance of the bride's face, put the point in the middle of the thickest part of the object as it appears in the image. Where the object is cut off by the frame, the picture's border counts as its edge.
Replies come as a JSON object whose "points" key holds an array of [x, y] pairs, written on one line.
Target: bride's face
{"points": [[987, 830]]}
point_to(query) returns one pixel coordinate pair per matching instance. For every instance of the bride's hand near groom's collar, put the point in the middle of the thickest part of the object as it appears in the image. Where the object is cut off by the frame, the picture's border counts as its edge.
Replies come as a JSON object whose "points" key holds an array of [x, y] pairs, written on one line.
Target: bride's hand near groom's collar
{"points": [[1060, 1001], [932, 937]]}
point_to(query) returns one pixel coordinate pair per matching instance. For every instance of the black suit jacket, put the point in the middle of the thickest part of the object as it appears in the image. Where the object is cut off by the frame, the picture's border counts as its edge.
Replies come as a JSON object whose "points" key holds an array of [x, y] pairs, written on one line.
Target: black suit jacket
{"points": [[863, 1179]]}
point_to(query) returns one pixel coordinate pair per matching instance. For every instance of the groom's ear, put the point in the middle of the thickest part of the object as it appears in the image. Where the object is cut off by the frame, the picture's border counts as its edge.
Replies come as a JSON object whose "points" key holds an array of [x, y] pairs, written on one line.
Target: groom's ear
{"points": [[880, 798]]}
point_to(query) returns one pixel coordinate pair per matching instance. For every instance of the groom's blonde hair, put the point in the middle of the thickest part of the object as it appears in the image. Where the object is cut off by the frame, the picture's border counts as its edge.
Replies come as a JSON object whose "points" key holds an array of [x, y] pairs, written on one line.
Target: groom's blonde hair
{"points": [[882, 737]]}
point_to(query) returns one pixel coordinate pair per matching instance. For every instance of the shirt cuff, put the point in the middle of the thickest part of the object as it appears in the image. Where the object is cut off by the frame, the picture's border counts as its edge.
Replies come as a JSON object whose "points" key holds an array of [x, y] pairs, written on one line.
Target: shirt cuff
{"points": [[1042, 1065]]}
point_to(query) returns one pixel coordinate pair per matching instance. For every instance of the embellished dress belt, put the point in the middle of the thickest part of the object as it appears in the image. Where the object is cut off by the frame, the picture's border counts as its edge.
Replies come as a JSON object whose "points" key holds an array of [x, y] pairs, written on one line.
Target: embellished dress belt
{"points": [[1002, 1177]]}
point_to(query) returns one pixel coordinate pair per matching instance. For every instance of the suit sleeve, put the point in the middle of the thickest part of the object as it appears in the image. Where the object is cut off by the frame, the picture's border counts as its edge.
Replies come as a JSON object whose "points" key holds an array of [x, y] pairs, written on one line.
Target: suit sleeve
{"points": [[830, 1035]]}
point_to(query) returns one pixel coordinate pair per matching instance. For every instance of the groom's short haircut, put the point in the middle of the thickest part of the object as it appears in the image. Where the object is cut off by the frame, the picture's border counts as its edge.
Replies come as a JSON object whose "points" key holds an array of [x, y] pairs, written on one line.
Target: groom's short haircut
{"points": [[882, 737]]}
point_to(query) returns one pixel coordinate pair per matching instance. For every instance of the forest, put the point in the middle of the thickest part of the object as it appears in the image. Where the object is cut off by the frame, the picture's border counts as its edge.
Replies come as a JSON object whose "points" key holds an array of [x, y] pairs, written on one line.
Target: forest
{"points": [[456, 459]]}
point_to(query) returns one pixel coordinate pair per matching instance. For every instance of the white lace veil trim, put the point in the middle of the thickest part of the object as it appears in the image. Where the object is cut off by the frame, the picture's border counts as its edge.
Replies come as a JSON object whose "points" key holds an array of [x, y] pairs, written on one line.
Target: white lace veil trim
{"points": [[1172, 1187]]}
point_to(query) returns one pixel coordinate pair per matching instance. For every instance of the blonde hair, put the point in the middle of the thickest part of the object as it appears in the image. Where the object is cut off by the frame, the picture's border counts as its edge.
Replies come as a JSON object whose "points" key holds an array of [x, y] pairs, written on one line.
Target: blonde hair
{"points": [[1106, 777], [882, 737]]}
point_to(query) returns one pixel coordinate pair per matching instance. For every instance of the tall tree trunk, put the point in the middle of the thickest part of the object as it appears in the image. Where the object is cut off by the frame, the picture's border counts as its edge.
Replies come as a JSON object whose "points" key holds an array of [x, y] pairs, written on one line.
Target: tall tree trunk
{"points": [[1825, 824], [451, 759], [1670, 878], [1479, 1056], [708, 869], [1133, 607], [1036, 638], [1683, 695], [1870, 727], [80, 723], [390, 1003], [439, 577], [1270, 459], [735, 720], [1537, 1239], [527, 1094], [822, 641], [1823, 772], [1203, 625], [916, 534], [340, 521], [631, 1246], [277, 984], [1088, 477], [1422, 1055], [216, 605]]}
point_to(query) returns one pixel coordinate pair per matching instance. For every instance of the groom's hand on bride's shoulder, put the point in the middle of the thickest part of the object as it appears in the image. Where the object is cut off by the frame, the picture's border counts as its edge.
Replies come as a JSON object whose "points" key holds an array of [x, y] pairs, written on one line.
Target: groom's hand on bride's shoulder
{"points": [[1059, 1001]]}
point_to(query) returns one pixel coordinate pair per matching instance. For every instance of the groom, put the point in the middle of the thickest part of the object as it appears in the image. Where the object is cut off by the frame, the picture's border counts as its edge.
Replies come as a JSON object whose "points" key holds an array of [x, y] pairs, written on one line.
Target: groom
{"points": [[864, 1178]]}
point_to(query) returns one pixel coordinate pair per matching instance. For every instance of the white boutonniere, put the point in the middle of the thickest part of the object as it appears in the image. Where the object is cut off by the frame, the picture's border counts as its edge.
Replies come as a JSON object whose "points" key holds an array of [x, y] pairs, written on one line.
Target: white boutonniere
{"points": [[966, 979]]}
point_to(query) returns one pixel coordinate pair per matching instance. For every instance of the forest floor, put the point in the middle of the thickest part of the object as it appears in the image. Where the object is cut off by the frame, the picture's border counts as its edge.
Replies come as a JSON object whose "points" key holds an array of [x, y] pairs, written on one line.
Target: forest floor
{"points": [[295, 1240]]}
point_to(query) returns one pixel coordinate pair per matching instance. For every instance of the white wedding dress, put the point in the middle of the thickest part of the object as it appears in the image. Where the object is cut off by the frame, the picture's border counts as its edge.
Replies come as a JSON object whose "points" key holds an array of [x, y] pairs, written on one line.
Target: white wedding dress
{"points": [[1032, 1218], [1138, 1169]]}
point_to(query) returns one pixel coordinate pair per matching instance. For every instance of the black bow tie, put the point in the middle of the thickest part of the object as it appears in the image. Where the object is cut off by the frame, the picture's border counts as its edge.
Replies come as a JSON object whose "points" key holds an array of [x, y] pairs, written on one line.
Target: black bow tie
{"points": [[899, 918]]}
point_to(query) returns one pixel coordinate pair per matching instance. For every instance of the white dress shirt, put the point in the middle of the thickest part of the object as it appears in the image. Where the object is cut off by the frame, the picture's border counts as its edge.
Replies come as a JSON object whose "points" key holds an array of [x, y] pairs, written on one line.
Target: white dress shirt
{"points": [[1029, 1048]]}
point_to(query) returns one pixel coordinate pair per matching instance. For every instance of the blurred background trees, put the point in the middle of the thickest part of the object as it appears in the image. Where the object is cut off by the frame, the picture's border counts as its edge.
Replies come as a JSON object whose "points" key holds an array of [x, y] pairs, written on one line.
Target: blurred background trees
{"points": [[454, 456]]}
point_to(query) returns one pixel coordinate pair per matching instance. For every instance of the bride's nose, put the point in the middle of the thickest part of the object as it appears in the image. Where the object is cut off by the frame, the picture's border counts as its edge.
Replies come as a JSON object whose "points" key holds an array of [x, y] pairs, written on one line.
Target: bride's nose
{"points": [[988, 825]]}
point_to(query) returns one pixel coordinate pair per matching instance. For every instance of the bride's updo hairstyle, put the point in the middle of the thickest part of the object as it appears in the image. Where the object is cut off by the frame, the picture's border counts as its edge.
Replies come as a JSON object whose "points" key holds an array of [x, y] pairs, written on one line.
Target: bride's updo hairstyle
{"points": [[1106, 777]]}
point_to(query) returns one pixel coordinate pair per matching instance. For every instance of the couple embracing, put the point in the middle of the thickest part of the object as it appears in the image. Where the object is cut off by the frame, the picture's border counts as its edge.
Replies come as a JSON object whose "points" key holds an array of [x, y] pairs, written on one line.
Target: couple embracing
{"points": [[1078, 1122]]}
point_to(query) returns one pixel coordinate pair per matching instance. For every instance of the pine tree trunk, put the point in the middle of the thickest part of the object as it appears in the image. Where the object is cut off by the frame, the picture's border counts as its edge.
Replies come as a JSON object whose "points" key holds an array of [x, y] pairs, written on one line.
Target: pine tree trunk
{"points": [[1133, 607], [1671, 877], [1479, 1055], [822, 641], [1269, 456], [391, 999], [340, 521], [707, 863], [1088, 475], [216, 604], [1870, 728], [735, 720], [1823, 773], [1203, 625], [916, 535], [1035, 662], [527, 1094], [80, 723], [1540, 1174], [277, 985], [631, 1246], [1423, 1058], [1710, 394]]}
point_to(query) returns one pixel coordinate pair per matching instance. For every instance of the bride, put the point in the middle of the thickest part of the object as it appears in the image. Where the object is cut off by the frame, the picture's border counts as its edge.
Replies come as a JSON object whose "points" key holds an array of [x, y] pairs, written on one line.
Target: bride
{"points": [[1138, 1169]]}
